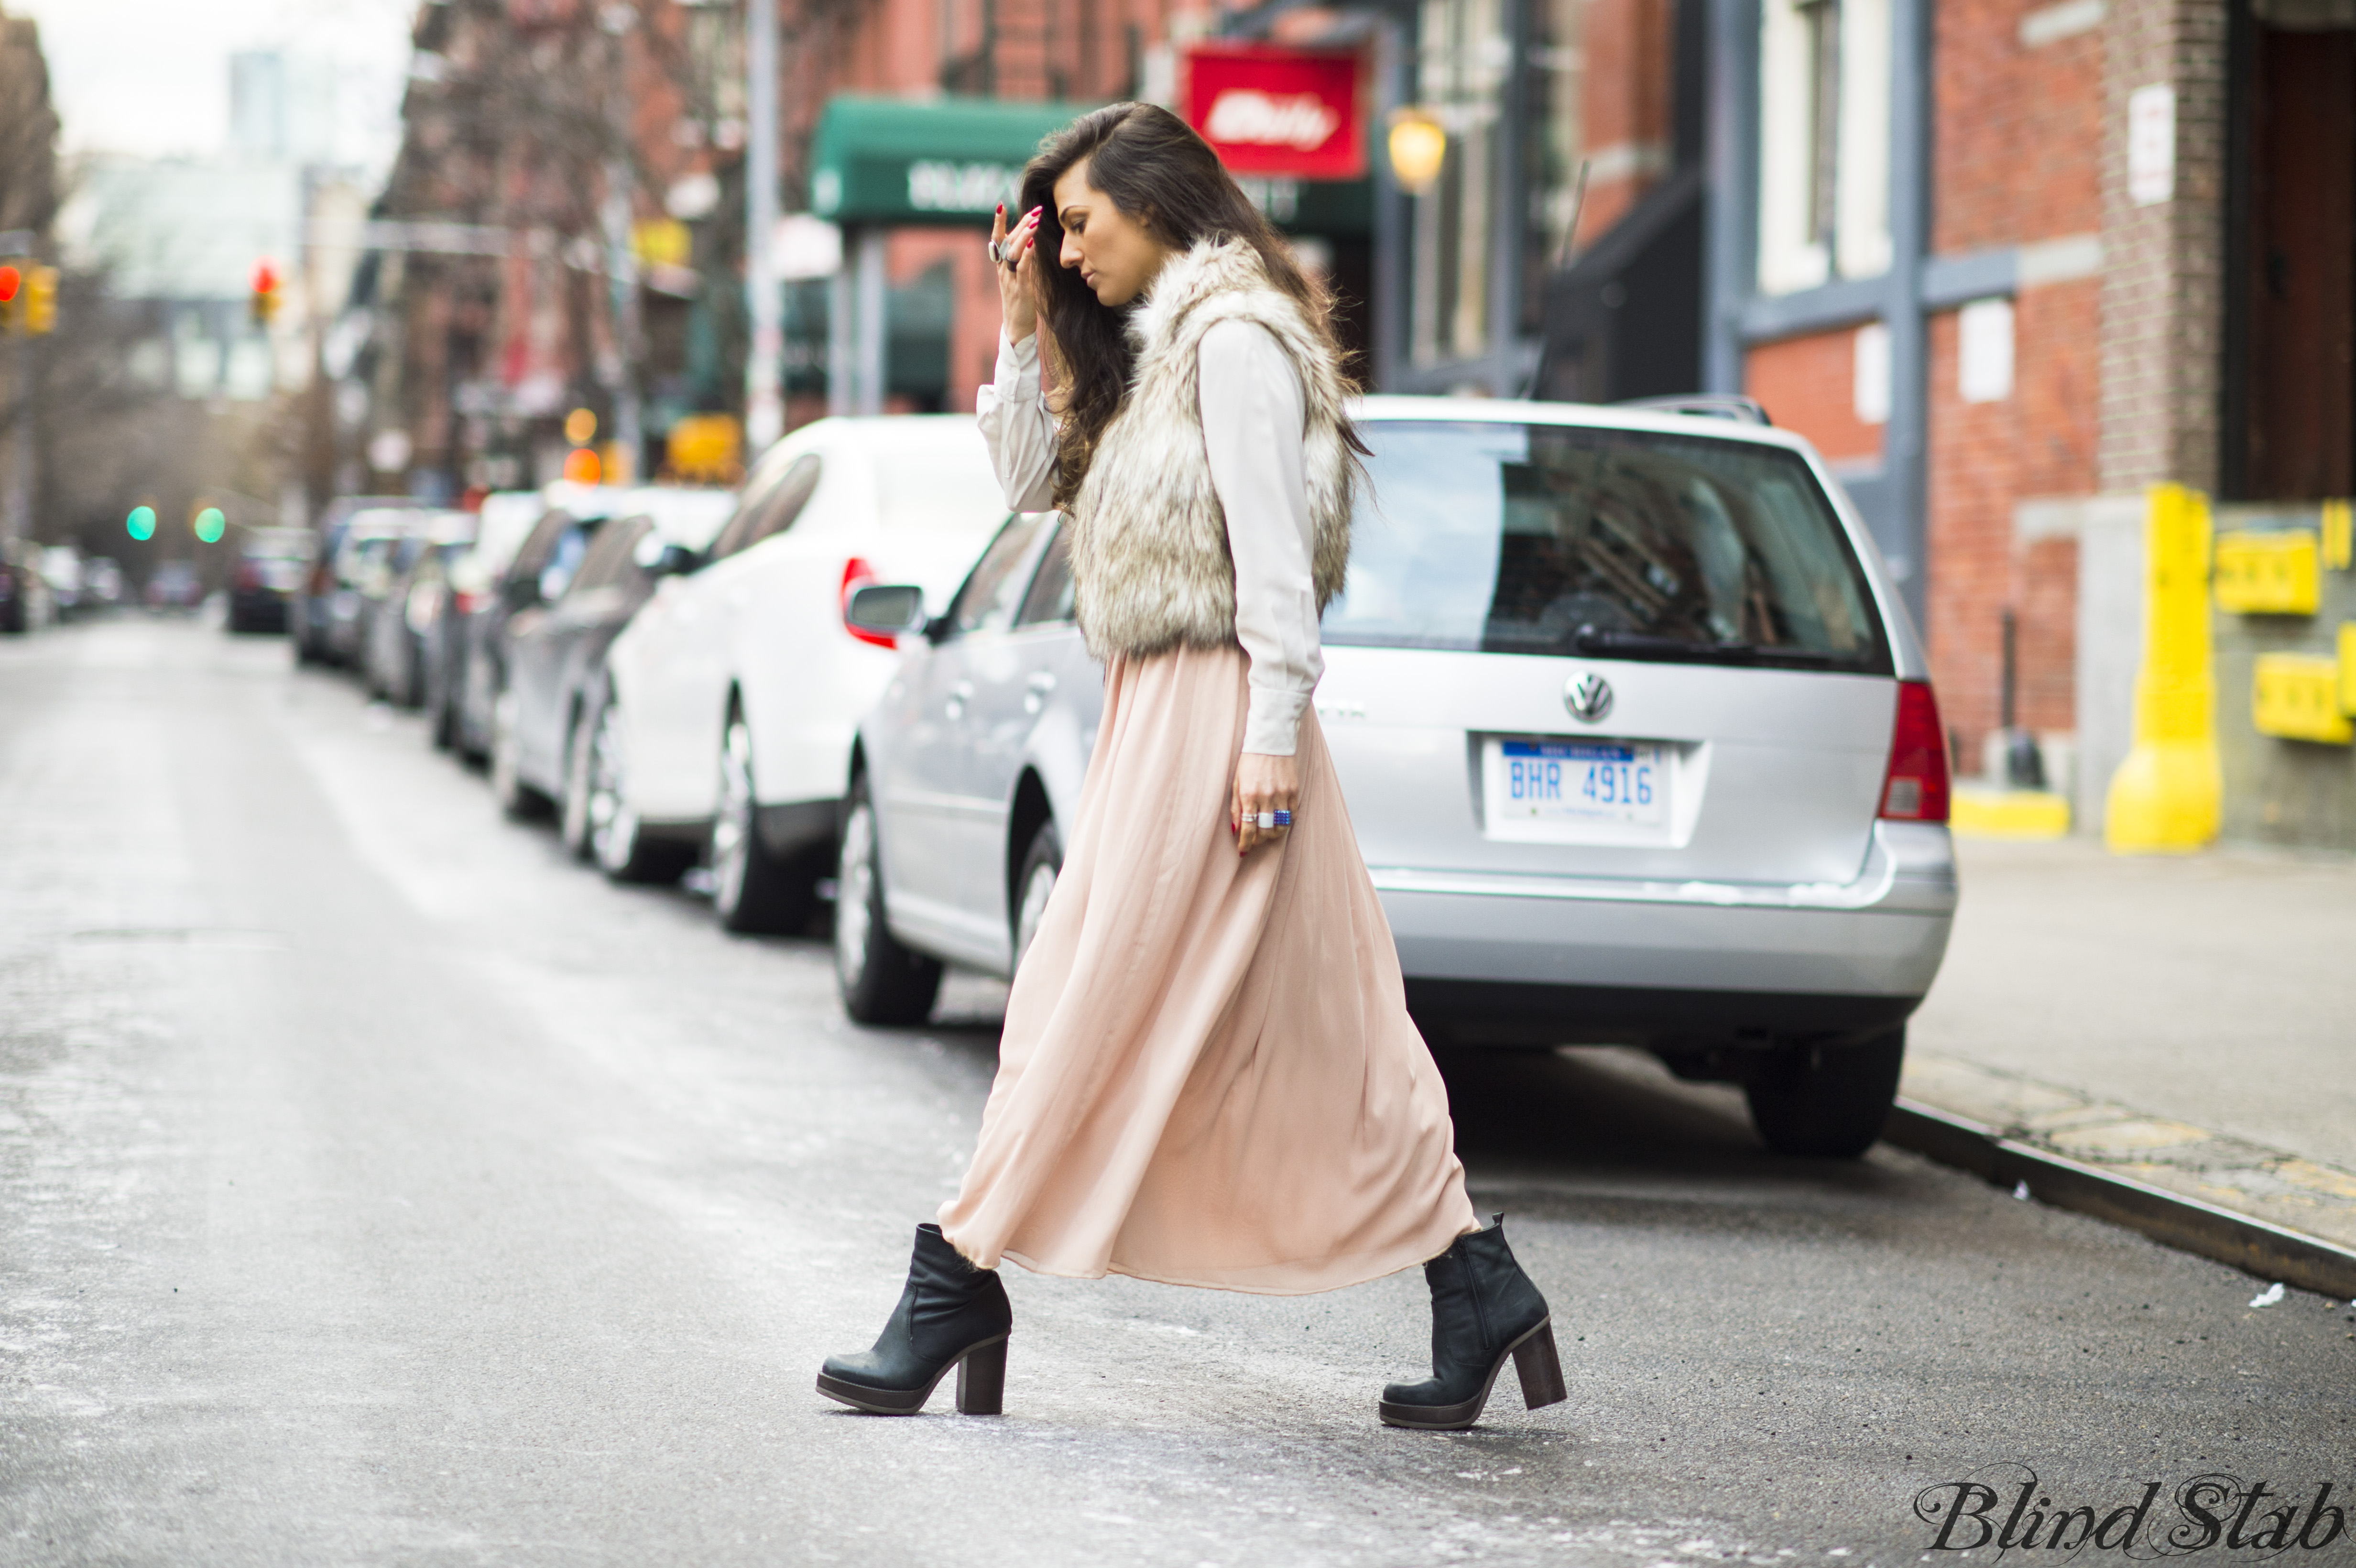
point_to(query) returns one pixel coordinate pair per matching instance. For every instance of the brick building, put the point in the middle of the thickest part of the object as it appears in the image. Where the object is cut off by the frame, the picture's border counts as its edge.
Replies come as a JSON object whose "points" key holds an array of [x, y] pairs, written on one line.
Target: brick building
{"points": [[2009, 262]]}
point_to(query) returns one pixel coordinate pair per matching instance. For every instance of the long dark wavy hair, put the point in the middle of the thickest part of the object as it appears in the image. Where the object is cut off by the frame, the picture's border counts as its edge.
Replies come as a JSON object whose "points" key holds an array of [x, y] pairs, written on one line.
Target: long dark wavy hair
{"points": [[1159, 172]]}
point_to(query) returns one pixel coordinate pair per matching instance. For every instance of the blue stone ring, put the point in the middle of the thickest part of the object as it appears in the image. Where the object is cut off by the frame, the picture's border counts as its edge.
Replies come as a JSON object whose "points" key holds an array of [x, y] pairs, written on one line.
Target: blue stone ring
{"points": [[1268, 819]]}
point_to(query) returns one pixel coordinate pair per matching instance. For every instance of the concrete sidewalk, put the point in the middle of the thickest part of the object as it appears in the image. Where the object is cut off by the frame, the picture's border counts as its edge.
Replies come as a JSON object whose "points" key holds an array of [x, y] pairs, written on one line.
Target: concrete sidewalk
{"points": [[2186, 1024]]}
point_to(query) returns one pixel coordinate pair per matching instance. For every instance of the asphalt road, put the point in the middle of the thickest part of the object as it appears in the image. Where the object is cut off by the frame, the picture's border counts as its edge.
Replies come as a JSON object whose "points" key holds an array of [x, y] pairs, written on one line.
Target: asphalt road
{"points": [[377, 1187]]}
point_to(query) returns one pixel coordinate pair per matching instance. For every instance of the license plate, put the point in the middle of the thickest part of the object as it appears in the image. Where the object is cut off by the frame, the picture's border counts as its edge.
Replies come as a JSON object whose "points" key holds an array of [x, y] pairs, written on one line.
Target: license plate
{"points": [[1533, 782]]}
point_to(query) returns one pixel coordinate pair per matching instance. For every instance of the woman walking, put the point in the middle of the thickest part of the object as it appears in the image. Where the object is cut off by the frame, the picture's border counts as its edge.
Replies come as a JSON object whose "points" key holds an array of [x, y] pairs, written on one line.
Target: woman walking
{"points": [[1207, 1075]]}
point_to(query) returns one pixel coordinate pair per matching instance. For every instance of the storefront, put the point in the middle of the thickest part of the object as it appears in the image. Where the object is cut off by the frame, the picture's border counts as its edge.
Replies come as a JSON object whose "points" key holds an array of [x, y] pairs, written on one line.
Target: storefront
{"points": [[906, 315]]}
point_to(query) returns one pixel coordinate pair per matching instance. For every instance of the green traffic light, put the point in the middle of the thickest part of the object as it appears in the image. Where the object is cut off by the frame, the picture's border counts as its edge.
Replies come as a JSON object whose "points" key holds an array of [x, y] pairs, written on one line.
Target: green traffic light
{"points": [[142, 522], [211, 524]]}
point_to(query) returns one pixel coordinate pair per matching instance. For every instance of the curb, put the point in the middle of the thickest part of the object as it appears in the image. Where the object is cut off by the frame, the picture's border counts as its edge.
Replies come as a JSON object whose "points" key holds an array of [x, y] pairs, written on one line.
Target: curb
{"points": [[2257, 1247]]}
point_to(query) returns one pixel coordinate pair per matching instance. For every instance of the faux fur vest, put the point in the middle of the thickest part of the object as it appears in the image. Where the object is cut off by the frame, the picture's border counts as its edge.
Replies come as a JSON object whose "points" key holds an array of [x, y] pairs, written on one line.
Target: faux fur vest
{"points": [[1151, 570]]}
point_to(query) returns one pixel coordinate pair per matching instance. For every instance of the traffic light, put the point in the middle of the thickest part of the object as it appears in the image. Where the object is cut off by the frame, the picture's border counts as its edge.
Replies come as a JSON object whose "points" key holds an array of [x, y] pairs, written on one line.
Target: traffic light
{"points": [[39, 310], [267, 287], [28, 297]]}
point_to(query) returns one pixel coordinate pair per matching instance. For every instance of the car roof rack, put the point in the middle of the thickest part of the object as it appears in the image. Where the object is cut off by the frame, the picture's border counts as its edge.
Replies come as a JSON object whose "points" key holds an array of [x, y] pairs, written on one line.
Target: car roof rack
{"points": [[1706, 405]]}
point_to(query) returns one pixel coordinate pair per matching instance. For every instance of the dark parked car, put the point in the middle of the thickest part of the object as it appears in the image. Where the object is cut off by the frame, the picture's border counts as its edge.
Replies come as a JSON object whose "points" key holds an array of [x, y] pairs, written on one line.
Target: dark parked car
{"points": [[551, 740], [310, 609], [101, 582], [174, 585], [395, 623], [271, 563], [469, 581], [24, 593], [542, 570], [363, 575]]}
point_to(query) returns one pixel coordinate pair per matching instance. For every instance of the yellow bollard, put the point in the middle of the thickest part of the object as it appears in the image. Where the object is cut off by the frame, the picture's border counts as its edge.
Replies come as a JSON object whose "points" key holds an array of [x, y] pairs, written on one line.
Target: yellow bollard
{"points": [[2167, 798]]}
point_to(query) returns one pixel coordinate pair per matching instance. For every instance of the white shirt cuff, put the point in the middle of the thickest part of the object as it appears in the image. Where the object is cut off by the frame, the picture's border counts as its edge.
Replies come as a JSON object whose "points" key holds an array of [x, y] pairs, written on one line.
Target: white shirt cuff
{"points": [[1272, 721]]}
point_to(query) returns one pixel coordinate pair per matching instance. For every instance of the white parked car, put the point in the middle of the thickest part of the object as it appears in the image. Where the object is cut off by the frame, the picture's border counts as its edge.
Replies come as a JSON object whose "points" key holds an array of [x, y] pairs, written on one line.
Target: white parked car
{"points": [[1637, 738], [739, 685]]}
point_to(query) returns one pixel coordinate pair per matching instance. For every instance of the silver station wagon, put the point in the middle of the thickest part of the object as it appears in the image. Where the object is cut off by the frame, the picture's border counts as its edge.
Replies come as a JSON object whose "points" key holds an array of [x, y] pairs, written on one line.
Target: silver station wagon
{"points": [[1636, 735]]}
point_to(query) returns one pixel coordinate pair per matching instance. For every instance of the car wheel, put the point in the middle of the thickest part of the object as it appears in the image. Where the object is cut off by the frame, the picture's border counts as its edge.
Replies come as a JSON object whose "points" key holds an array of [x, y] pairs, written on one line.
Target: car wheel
{"points": [[881, 982], [573, 812], [1041, 864], [750, 891], [608, 825], [514, 798], [1828, 1102], [441, 714]]}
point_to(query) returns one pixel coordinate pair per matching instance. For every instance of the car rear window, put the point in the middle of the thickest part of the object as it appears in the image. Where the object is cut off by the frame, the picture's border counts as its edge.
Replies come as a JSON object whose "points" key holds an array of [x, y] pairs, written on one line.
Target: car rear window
{"points": [[1613, 544]]}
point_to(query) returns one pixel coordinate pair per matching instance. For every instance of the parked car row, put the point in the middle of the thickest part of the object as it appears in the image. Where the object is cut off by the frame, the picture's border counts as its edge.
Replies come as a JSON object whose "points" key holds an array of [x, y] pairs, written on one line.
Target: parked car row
{"points": [[1637, 737], [43, 584]]}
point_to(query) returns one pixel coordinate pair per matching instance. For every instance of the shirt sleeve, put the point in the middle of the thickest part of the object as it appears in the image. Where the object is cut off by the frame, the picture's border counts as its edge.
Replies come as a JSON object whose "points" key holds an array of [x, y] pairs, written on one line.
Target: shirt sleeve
{"points": [[1252, 427], [1018, 427]]}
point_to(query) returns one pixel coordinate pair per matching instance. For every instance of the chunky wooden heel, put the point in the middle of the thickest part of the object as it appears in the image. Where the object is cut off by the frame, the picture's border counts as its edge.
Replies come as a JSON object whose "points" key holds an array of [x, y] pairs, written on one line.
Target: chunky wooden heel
{"points": [[982, 1380], [1540, 1369]]}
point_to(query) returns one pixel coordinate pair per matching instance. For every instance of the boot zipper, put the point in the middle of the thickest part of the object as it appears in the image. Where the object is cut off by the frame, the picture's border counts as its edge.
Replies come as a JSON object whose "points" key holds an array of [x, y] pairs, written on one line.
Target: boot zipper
{"points": [[1480, 1307]]}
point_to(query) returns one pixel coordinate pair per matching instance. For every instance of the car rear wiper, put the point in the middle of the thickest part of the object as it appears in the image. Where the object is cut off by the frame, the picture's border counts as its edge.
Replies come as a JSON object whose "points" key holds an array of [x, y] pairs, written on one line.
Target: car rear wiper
{"points": [[1612, 644]]}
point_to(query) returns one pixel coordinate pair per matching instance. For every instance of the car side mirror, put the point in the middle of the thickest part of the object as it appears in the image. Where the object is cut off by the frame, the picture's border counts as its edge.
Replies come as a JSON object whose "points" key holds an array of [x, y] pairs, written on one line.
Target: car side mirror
{"points": [[892, 610], [658, 558]]}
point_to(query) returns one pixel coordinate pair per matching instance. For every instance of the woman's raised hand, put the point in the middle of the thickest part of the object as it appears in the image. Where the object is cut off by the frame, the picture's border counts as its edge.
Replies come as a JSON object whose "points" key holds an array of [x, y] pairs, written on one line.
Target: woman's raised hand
{"points": [[1018, 298]]}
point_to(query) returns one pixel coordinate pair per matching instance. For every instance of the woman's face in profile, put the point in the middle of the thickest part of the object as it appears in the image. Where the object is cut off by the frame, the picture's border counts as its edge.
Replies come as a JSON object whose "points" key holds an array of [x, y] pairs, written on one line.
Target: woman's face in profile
{"points": [[1116, 256]]}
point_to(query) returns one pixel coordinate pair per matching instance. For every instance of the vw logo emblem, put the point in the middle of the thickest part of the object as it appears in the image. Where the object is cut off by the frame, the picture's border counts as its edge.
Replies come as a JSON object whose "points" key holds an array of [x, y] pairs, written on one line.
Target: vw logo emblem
{"points": [[1588, 697]]}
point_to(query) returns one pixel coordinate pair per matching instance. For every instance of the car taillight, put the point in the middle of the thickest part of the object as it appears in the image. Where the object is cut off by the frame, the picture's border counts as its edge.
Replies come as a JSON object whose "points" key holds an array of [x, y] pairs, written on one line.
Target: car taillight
{"points": [[1915, 787], [856, 575], [466, 602]]}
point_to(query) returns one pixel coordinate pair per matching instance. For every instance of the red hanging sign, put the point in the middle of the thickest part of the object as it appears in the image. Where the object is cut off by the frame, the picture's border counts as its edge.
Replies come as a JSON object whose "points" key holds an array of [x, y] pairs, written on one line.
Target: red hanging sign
{"points": [[1267, 110]]}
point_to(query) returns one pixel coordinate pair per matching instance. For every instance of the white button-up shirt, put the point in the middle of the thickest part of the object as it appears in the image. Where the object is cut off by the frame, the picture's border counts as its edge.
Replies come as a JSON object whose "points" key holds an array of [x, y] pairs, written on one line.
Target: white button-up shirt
{"points": [[1252, 431]]}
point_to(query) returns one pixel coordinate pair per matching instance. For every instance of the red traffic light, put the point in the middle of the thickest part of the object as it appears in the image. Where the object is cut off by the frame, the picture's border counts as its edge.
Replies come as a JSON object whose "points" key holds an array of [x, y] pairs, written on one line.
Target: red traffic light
{"points": [[265, 278], [11, 280]]}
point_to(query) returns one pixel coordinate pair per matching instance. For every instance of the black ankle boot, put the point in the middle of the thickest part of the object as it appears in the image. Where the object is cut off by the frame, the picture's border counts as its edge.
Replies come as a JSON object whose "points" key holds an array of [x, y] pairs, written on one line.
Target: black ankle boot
{"points": [[950, 1313], [1483, 1309]]}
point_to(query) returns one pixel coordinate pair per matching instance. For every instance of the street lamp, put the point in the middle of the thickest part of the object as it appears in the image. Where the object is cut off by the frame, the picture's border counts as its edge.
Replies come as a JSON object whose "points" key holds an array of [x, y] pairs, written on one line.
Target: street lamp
{"points": [[1418, 147]]}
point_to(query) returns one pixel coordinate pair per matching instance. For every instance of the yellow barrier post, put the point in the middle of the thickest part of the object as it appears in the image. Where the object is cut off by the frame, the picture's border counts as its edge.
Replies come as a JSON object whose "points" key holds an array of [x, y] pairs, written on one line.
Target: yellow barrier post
{"points": [[2168, 797]]}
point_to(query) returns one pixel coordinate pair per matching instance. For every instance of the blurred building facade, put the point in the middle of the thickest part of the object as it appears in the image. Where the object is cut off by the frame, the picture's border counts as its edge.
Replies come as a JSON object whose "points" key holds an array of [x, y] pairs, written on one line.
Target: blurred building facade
{"points": [[501, 290], [2005, 261], [2010, 262], [560, 231]]}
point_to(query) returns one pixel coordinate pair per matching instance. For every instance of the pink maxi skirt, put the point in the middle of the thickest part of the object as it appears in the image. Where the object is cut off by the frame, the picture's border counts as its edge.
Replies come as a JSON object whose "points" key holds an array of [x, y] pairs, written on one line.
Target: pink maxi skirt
{"points": [[1208, 1076]]}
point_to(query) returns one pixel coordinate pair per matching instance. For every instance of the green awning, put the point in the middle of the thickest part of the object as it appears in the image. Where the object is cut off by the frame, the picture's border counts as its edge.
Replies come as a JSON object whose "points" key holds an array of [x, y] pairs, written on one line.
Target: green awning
{"points": [[952, 160], [948, 161]]}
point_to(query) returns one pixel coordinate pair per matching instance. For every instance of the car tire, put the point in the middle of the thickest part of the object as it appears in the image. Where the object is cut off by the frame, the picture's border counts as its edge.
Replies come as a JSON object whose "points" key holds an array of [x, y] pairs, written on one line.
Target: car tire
{"points": [[440, 716], [600, 826], [1043, 862], [1827, 1102], [752, 890], [515, 798], [880, 980]]}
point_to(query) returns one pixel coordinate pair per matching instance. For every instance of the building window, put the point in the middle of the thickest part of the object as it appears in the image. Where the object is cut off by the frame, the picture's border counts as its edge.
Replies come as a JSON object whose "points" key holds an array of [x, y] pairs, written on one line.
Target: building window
{"points": [[1824, 142]]}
